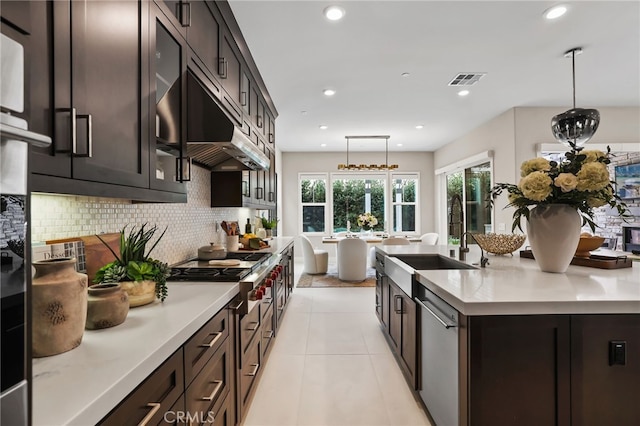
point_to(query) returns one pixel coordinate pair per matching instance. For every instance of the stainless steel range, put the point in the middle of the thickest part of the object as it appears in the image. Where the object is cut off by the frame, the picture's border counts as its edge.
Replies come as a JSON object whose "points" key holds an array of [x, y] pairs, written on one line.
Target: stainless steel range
{"points": [[250, 270]]}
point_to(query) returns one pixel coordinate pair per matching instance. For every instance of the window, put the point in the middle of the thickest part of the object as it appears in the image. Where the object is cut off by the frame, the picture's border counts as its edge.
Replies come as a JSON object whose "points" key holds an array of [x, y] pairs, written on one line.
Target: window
{"points": [[354, 195], [391, 197], [403, 202], [313, 197]]}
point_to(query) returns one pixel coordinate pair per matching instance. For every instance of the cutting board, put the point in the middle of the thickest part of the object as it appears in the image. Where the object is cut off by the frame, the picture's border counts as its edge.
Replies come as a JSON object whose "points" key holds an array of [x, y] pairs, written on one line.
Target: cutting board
{"points": [[96, 253]]}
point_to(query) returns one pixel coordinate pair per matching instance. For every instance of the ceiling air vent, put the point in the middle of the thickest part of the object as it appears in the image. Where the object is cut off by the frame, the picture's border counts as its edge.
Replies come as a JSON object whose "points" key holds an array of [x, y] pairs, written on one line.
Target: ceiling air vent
{"points": [[467, 78]]}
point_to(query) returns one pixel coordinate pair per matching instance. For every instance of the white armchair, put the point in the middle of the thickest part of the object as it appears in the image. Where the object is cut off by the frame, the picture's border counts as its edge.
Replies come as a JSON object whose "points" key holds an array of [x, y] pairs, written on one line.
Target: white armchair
{"points": [[352, 259], [315, 261], [430, 238]]}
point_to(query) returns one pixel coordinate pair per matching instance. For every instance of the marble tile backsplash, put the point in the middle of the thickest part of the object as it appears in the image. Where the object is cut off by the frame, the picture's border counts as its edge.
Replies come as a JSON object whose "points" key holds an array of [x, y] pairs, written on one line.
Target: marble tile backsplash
{"points": [[189, 225]]}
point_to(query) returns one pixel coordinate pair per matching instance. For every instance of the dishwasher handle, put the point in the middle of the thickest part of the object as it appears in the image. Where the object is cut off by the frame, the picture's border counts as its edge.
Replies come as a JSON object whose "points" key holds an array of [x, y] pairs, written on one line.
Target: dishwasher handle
{"points": [[444, 323]]}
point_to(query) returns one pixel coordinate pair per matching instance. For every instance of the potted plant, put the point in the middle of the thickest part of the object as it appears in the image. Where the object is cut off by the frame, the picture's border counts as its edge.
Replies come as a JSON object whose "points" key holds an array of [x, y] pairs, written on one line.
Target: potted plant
{"points": [[269, 224], [142, 277]]}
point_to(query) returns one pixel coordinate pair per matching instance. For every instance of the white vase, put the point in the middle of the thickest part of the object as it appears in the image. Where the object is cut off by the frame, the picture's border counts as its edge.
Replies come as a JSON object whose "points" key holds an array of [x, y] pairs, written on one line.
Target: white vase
{"points": [[554, 232]]}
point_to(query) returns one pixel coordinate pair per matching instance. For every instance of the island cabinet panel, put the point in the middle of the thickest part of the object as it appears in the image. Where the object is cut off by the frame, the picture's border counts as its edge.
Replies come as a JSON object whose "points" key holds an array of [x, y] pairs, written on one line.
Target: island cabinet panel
{"points": [[402, 331], [605, 370], [518, 370], [149, 402]]}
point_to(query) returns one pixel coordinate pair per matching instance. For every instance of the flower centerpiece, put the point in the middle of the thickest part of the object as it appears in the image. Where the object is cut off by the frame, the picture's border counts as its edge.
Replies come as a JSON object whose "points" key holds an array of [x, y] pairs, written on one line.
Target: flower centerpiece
{"points": [[367, 220], [557, 199], [142, 277], [581, 181]]}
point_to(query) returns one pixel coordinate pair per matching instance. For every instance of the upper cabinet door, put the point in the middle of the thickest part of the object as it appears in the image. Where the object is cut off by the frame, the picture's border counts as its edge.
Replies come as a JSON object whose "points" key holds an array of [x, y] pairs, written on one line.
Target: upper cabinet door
{"points": [[229, 74], [203, 35], [169, 167], [106, 92]]}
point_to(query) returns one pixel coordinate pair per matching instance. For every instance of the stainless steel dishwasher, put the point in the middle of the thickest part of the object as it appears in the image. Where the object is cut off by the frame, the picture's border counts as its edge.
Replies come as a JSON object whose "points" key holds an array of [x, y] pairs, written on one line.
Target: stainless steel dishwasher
{"points": [[438, 357]]}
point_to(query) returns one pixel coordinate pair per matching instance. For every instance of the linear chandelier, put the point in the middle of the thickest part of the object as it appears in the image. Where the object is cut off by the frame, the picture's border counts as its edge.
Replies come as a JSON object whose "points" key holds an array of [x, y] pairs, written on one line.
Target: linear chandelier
{"points": [[355, 167]]}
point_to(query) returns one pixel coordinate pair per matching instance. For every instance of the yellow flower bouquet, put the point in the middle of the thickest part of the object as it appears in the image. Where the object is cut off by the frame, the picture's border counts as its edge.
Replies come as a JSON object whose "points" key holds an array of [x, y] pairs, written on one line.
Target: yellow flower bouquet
{"points": [[581, 180]]}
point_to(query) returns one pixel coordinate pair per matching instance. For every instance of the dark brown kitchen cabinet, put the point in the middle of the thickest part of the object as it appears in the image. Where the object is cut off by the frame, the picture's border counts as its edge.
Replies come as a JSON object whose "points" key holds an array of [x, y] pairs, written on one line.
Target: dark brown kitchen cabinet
{"points": [[178, 11], [153, 398], [98, 98], [519, 364], [229, 73], [245, 90], [605, 368], [271, 129], [169, 164], [402, 331]]}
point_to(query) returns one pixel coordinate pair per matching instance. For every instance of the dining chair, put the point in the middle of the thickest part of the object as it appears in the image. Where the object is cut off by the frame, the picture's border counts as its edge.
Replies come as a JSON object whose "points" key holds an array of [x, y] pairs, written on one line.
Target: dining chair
{"points": [[352, 259], [316, 261], [430, 238]]}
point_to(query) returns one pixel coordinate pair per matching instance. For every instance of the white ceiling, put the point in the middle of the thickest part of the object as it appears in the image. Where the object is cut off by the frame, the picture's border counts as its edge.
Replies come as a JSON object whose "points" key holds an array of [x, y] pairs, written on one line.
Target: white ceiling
{"points": [[299, 53]]}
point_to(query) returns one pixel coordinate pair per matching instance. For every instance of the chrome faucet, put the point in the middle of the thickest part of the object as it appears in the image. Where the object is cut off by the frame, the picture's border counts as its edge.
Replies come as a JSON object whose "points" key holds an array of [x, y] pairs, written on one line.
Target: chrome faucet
{"points": [[464, 249]]}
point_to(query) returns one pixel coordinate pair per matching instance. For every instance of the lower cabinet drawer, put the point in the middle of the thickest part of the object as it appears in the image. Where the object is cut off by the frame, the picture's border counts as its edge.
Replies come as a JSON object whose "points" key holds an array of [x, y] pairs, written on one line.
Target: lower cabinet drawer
{"points": [[176, 414], [203, 344], [225, 414], [249, 325], [249, 371], [153, 398], [266, 330], [211, 385]]}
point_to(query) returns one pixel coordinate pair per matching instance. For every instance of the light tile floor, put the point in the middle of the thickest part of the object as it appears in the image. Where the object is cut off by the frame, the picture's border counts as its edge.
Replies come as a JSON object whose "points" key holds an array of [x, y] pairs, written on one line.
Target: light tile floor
{"points": [[330, 365]]}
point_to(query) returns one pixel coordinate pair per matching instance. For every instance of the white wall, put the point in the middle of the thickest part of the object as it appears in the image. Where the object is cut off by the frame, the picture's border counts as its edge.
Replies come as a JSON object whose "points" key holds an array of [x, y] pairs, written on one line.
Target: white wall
{"points": [[513, 136], [298, 162]]}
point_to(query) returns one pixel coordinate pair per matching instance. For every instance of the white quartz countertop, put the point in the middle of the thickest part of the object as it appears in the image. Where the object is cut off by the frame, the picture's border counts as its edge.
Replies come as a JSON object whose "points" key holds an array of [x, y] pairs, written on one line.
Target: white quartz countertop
{"points": [[81, 386], [514, 285]]}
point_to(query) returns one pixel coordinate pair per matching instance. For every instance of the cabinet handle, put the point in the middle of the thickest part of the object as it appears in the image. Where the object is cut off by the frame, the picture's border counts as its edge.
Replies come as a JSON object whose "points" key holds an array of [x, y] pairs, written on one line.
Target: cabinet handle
{"points": [[271, 138], [259, 121], [446, 325], [259, 193], [155, 406], [395, 308], [272, 196], [213, 341], [74, 130], [222, 67], [267, 300], [255, 327], [269, 335], [186, 12], [215, 391], [237, 306], [243, 99], [255, 370], [183, 164]]}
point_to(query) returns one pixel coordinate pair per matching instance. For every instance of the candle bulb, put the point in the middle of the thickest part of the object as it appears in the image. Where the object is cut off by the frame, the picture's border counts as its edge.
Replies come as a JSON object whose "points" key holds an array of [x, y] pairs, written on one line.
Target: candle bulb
{"points": [[348, 226]]}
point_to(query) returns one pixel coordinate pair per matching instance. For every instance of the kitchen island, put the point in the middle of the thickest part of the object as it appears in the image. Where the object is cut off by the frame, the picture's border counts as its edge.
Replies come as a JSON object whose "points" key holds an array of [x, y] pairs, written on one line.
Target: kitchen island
{"points": [[82, 386], [509, 344]]}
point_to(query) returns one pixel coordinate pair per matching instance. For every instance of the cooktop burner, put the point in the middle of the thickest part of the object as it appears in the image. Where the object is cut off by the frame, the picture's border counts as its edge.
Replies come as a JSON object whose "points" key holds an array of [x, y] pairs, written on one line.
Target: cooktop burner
{"points": [[208, 274], [196, 270]]}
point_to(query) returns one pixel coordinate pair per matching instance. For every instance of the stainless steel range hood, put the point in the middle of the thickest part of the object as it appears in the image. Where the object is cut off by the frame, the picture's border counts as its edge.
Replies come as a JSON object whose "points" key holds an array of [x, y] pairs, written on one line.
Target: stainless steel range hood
{"points": [[212, 138]]}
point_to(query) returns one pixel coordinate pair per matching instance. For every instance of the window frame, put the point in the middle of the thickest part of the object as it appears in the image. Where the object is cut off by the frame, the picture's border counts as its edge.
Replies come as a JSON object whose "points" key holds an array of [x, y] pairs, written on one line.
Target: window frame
{"points": [[404, 175], [318, 176]]}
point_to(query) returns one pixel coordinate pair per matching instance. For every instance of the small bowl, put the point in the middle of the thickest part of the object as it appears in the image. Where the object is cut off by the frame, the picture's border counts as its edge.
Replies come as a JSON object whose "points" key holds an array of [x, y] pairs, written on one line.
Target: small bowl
{"points": [[499, 243], [587, 244]]}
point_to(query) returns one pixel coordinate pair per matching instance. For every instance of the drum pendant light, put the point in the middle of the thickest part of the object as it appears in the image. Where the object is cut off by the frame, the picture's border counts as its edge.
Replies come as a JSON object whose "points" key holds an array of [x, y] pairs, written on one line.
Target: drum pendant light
{"points": [[576, 126]]}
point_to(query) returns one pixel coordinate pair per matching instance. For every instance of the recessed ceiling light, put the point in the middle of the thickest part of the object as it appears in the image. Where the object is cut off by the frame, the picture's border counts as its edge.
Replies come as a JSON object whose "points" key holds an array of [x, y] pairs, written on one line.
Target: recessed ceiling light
{"points": [[555, 12], [463, 93], [303, 112], [323, 127], [334, 13], [329, 92], [399, 144], [323, 145], [405, 74], [419, 126]]}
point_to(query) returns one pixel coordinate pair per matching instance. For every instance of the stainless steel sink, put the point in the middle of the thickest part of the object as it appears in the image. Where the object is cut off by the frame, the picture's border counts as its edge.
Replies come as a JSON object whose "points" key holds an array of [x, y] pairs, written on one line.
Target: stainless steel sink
{"points": [[432, 261]]}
